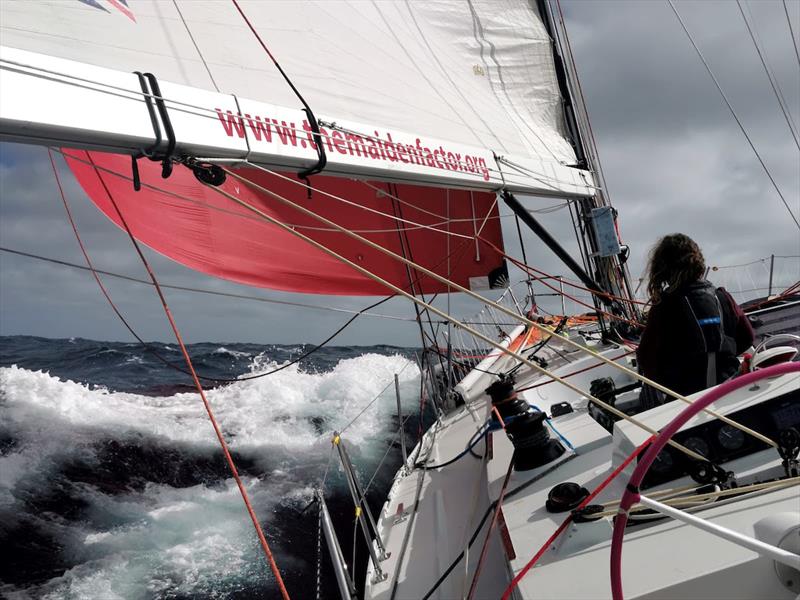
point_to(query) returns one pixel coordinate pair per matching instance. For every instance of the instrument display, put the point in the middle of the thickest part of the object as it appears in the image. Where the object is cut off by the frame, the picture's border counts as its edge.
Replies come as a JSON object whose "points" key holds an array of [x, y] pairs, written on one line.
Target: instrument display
{"points": [[720, 442], [730, 438]]}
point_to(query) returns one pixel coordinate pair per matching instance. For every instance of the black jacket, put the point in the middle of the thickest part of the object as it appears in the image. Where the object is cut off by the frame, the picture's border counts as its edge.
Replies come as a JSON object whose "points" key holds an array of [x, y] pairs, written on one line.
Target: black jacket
{"points": [[692, 338]]}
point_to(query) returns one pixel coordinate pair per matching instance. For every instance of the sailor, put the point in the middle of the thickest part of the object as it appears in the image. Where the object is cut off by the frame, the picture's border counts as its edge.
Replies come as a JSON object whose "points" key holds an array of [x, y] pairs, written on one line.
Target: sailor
{"points": [[693, 332]]}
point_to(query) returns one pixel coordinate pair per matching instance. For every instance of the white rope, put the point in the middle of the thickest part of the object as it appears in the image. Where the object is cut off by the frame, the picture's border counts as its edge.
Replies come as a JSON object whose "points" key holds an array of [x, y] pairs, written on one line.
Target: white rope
{"points": [[457, 323]]}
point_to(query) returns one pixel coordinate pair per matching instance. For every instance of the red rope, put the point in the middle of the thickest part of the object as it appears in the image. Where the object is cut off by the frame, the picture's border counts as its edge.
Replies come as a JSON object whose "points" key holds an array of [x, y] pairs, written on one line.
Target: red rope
{"points": [[485, 547], [532, 271], [515, 582], [85, 253], [223, 444]]}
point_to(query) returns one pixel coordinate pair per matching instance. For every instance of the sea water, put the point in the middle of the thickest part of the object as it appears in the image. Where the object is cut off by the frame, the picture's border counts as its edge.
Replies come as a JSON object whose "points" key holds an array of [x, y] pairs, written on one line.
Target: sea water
{"points": [[113, 485]]}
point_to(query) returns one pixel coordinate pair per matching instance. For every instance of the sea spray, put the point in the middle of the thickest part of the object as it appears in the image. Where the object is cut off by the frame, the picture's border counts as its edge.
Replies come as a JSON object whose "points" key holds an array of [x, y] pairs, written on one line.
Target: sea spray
{"points": [[112, 490]]}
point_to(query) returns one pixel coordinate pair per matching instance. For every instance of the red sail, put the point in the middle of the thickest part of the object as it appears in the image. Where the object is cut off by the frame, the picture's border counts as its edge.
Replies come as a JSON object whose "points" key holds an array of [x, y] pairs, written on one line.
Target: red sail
{"points": [[200, 228]]}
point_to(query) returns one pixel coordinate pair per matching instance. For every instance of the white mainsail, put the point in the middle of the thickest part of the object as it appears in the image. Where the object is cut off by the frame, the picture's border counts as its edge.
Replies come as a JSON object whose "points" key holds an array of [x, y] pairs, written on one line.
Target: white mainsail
{"points": [[473, 79]]}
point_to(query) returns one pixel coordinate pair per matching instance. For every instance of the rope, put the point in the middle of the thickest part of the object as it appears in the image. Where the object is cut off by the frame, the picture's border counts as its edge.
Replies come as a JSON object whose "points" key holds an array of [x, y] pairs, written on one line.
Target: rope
{"points": [[775, 86], [405, 260], [733, 113], [474, 441], [578, 372], [468, 292], [312, 120], [371, 402], [201, 290], [147, 347], [524, 571], [498, 507], [475, 333], [196, 47], [678, 501], [791, 32], [223, 444], [455, 286]]}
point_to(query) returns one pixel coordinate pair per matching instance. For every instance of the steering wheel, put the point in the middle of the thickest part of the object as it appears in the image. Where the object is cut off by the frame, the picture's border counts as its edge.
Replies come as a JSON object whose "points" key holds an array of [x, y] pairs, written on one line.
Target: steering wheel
{"points": [[632, 494]]}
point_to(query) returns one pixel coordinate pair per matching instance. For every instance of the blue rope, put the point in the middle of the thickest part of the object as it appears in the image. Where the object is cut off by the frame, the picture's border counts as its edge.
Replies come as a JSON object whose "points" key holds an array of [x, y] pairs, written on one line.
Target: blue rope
{"points": [[556, 431]]}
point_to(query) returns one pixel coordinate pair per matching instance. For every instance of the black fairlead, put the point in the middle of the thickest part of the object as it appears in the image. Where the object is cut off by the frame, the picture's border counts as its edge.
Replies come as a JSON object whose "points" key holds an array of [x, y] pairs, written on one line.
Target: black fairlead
{"points": [[153, 100]]}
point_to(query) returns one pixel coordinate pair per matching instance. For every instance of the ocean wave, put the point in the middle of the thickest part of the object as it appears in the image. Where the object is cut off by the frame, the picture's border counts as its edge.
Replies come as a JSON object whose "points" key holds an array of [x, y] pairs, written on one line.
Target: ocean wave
{"points": [[234, 353], [125, 495]]}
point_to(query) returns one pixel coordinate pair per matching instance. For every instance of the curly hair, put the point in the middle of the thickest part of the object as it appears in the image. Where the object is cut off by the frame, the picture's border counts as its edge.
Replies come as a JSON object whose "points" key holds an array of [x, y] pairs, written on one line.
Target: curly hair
{"points": [[675, 261]]}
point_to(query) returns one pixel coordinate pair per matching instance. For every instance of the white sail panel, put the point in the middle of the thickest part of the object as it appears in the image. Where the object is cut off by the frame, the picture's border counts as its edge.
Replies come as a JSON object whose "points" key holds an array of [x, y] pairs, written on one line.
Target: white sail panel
{"points": [[473, 72]]}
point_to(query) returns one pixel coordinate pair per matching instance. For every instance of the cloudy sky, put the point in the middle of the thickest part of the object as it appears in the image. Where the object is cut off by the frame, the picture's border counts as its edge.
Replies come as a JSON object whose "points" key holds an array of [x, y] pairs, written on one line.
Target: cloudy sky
{"points": [[673, 156]]}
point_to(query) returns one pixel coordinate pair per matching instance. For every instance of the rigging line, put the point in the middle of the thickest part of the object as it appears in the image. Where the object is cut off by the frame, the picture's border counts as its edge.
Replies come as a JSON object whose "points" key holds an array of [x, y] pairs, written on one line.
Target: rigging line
{"points": [[585, 502], [375, 399], [543, 275], [158, 355], [521, 318], [475, 333], [202, 291], [488, 212], [772, 81], [196, 47], [522, 171], [319, 146], [246, 216], [113, 90], [585, 112], [147, 347], [791, 32], [498, 507], [334, 226], [405, 246], [354, 204], [747, 264], [562, 293], [90, 267], [154, 352], [540, 177], [220, 437], [589, 368], [525, 260], [412, 288], [733, 112], [444, 220]]}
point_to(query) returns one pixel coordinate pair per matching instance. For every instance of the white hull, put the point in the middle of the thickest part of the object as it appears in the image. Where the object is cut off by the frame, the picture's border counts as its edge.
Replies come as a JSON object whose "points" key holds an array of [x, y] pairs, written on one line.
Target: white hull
{"points": [[662, 559]]}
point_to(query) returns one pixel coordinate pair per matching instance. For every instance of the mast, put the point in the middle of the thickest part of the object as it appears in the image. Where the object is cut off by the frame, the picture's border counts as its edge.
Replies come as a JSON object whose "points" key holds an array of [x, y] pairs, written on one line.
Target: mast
{"points": [[596, 226]]}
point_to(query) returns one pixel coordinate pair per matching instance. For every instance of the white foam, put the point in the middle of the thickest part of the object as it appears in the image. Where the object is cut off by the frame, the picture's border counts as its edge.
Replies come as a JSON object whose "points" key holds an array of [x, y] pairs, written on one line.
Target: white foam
{"points": [[273, 412], [233, 353], [194, 541]]}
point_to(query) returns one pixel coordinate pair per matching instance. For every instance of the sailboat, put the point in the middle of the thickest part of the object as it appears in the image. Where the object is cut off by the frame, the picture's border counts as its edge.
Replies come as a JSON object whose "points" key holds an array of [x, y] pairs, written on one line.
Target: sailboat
{"points": [[363, 149]]}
